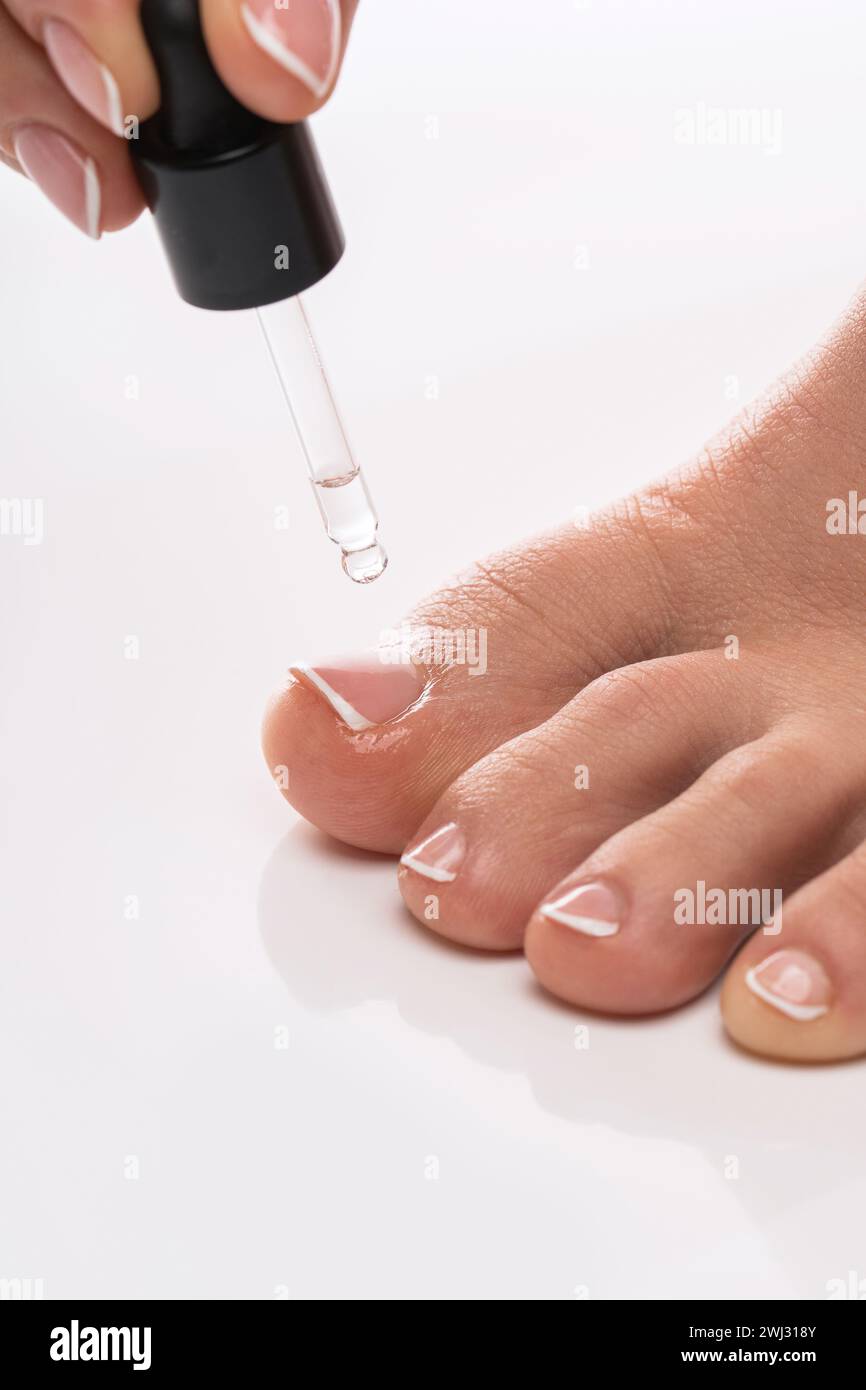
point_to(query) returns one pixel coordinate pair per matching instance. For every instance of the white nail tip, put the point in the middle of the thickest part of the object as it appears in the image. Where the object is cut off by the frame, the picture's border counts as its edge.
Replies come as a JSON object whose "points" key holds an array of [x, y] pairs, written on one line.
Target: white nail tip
{"points": [[290, 60], [412, 859], [112, 100], [803, 1013], [347, 712], [428, 870], [590, 926], [92, 199]]}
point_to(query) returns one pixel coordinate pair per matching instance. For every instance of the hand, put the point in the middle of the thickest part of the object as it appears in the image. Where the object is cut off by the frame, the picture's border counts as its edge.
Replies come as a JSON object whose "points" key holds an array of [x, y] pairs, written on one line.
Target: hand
{"points": [[72, 73]]}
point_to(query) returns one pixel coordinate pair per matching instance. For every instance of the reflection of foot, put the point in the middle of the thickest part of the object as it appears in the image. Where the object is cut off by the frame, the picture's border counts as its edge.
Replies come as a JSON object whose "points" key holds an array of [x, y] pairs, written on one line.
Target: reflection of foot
{"points": [[622, 737]]}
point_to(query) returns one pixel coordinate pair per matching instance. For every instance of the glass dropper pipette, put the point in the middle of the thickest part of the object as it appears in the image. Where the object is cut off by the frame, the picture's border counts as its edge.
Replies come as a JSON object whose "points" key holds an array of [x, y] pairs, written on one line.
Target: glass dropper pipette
{"points": [[246, 219], [338, 484]]}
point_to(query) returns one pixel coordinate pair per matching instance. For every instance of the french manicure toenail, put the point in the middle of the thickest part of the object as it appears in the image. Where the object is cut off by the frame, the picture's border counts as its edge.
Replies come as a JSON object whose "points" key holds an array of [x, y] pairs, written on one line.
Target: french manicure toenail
{"points": [[304, 37], [363, 690], [87, 79], [792, 982], [592, 908], [439, 855], [64, 173]]}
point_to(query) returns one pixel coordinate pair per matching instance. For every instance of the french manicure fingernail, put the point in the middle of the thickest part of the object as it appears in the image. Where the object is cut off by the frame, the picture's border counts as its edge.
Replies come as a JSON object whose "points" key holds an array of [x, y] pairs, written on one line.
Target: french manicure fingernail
{"points": [[64, 173], [83, 75], [439, 855], [792, 982], [363, 690], [595, 909], [303, 37]]}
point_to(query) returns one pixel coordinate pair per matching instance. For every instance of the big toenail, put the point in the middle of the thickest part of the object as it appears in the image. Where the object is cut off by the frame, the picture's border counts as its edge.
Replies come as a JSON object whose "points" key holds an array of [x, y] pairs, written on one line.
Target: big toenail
{"points": [[792, 982], [364, 690], [595, 909], [439, 855]]}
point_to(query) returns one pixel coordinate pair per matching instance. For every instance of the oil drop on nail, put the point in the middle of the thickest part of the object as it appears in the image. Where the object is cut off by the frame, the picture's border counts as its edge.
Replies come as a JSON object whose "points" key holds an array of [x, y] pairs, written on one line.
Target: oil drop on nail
{"points": [[340, 489]]}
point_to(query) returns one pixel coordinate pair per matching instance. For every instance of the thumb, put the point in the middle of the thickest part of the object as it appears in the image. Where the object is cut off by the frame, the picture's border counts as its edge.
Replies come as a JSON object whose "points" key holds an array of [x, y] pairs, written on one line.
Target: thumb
{"points": [[280, 58]]}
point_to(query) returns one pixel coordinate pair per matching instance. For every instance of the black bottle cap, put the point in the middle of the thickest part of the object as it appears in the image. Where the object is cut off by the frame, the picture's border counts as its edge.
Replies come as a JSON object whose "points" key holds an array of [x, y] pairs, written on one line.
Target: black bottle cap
{"points": [[241, 204]]}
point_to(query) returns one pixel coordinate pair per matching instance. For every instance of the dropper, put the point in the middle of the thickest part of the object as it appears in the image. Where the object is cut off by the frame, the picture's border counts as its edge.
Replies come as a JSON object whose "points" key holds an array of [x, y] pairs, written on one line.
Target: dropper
{"points": [[344, 501], [247, 222]]}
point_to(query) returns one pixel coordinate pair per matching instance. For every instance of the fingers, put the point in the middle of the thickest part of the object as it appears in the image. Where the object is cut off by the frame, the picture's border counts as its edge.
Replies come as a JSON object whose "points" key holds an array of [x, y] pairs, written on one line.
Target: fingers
{"points": [[98, 50], [280, 58], [82, 168]]}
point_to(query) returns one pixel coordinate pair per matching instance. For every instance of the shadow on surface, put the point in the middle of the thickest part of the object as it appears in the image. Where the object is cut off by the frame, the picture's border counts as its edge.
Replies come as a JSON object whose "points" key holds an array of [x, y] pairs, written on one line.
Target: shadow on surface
{"points": [[669, 1078]]}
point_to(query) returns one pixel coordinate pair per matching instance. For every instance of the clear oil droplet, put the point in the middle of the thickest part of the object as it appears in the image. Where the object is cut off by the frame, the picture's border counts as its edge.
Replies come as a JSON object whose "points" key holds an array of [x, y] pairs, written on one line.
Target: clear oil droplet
{"points": [[351, 523]]}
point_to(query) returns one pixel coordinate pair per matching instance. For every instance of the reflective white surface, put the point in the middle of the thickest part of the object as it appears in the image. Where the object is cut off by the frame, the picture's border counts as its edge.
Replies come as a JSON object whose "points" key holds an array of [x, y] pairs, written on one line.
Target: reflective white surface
{"points": [[271, 1081]]}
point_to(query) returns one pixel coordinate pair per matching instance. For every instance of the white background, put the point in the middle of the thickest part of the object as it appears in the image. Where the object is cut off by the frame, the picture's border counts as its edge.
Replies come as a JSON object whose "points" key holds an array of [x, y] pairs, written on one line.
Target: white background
{"points": [[266, 1169]]}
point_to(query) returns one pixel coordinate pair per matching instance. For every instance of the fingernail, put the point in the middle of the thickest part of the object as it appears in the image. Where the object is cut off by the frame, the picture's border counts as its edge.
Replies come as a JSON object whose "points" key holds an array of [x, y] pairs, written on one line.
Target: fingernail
{"points": [[363, 690], [596, 909], [439, 856], [87, 79], [303, 37], [792, 982], [63, 172]]}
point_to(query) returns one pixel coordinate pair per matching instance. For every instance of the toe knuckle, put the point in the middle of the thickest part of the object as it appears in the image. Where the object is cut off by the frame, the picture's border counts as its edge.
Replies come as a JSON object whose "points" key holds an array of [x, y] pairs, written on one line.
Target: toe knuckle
{"points": [[756, 775], [622, 695], [748, 777], [635, 693], [850, 891]]}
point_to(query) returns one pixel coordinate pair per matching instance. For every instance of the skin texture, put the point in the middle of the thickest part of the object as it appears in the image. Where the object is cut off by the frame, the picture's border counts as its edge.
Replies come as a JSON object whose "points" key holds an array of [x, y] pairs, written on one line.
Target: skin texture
{"points": [[32, 90], [609, 647]]}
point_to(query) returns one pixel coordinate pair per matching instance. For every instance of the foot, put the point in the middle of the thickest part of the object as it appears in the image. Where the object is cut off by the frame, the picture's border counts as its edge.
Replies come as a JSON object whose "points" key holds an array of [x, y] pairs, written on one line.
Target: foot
{"points": [[625, 746]]}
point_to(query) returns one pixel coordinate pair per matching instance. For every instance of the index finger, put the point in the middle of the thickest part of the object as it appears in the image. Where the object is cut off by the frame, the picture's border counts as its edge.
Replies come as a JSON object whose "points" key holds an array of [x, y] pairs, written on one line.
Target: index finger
{"points": [[98, 50]]}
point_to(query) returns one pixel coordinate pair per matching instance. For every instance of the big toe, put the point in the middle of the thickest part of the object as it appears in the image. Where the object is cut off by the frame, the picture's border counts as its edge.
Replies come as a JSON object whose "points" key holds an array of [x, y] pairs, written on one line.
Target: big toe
{"points": [[363, 746]]}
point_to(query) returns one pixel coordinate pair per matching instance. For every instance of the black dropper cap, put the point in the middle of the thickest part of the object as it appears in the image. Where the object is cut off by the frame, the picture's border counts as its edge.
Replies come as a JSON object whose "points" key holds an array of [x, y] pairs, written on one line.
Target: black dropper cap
{"points": [[241, 204]]}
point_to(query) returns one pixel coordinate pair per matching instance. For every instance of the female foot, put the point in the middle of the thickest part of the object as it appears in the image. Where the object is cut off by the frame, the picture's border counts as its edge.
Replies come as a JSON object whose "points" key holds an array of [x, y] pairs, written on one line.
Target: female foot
{"points": [[624, 746]]}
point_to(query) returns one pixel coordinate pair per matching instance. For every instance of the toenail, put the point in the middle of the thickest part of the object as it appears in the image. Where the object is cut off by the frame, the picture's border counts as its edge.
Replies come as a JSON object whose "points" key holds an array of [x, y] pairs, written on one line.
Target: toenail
{"points": [[595, 909], [792, 982], [364, 690], [439, 855]]}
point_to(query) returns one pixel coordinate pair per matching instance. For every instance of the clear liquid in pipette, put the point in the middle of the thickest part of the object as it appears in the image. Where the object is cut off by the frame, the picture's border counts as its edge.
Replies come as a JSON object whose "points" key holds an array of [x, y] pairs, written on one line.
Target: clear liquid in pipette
{"points": [[338, 484], [351, 522]]}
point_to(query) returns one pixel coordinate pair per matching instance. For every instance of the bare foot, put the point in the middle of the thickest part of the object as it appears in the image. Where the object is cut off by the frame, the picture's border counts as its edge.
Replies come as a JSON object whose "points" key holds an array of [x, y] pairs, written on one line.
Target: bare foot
{"points": [[623, 747]]}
